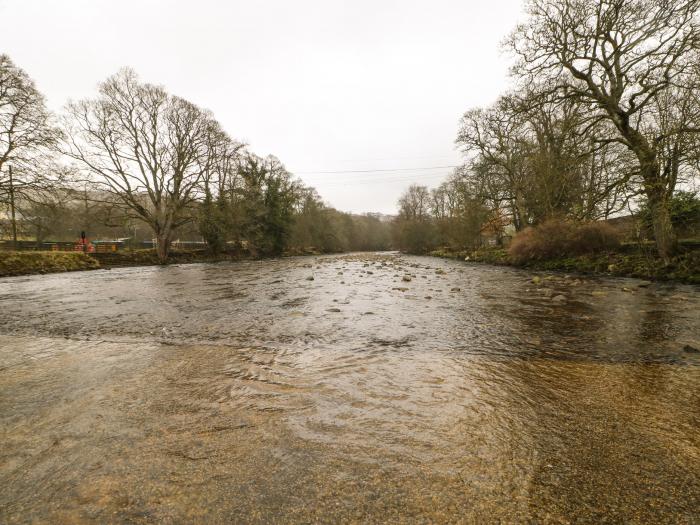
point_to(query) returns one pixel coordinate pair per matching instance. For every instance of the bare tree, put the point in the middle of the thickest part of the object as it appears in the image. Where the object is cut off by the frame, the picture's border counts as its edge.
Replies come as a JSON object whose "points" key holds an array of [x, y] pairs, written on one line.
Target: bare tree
{"points": [[26, 138], [414, 204], [496, 142], [149, 149], [620, 56], [535, 155]]}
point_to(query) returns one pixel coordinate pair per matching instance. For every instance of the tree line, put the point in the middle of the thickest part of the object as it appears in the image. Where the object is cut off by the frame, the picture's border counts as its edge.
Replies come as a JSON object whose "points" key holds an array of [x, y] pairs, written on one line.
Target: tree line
{"points": [[603, 118], [138, 154]]}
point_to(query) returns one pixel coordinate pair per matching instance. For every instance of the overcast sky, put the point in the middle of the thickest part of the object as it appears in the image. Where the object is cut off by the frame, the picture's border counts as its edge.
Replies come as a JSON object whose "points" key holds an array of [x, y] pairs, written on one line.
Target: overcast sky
{"points": [[325, 85]]}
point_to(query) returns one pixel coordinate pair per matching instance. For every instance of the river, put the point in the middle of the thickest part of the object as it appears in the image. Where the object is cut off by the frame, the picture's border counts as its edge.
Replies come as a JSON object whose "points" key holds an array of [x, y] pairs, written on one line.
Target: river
{"points": [[352, 388]]}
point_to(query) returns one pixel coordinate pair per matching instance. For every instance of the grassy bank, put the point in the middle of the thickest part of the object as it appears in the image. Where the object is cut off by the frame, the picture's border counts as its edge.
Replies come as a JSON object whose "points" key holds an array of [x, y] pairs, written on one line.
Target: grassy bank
{"points": [[25, 263], [38, 262], [628, 261], [150, 258]]}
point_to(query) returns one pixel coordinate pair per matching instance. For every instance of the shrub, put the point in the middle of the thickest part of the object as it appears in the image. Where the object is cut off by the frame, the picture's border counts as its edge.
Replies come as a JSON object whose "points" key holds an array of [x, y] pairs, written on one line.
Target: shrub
{"points": [[558, 238], [595, 237], [546, 241]]}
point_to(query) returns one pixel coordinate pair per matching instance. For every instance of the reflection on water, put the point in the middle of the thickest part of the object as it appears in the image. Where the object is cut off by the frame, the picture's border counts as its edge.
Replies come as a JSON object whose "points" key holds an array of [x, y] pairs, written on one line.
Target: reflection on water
{"points": [[245, 392]]}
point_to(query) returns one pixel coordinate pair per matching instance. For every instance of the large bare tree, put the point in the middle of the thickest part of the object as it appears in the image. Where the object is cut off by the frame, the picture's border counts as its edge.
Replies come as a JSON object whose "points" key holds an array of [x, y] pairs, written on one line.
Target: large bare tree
{"points": [[149, 149], [619, 56], [496, 140], [26, 138]]}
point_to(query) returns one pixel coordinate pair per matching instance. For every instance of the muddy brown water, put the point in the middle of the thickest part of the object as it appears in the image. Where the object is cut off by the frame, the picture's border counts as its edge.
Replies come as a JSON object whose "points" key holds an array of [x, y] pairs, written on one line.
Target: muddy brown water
{"points": [[247, 392]]}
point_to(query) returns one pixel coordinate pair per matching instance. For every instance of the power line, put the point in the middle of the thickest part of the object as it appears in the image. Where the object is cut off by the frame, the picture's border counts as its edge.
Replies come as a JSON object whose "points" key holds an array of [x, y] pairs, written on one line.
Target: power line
{"points": [[382, 176], [372, 171], [359, 182], [394, 158]]}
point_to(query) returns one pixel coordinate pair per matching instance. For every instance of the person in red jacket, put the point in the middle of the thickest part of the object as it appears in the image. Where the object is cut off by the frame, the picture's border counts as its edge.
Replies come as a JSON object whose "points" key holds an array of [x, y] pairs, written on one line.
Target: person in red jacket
{"points": [[83, 244]]}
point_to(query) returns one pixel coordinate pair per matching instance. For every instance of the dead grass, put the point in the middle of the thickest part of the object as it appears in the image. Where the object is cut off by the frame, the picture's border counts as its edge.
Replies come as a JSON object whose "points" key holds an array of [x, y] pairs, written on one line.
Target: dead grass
{"points": [[25, 263], [557, 238]]}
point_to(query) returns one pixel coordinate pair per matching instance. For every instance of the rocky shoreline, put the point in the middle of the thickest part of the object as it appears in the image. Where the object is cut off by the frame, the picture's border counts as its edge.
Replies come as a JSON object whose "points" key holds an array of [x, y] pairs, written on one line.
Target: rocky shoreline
{"points": [[630, 261]]}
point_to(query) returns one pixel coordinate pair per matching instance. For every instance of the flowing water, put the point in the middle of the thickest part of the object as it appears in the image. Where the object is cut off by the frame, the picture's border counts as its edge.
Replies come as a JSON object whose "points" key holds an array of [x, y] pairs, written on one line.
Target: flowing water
{"points": [[387, 389]]}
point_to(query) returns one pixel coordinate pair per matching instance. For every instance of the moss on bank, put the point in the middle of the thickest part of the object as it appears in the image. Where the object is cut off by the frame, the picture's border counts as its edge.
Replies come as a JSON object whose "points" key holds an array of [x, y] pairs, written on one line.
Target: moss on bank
{"points": [[629, 261], [150, 257], [37, 262], [25, 263]]}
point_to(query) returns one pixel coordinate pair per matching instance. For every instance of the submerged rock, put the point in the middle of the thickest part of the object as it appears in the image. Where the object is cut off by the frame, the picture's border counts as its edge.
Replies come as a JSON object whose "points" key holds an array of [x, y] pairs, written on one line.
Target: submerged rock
{"points": [[691, 349], [310, 278], [559, 299]]}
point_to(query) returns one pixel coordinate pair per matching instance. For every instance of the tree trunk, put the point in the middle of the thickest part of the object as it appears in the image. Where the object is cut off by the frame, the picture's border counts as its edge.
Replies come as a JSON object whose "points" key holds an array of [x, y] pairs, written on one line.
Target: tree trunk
{"points": [[658, 192], [661, 222], [657, 188], [163, 246], [13, 217]]}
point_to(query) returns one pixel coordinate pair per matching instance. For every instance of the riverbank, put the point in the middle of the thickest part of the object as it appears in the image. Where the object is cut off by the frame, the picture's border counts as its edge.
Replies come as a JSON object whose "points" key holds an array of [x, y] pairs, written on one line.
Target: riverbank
{"points": [[27, 263], [150, 257], [630, 261], [40, 262]]}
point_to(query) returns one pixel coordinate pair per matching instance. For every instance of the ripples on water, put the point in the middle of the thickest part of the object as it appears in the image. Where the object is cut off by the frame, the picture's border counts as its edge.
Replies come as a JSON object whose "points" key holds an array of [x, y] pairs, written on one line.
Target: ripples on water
{"points": [[248, 392]]}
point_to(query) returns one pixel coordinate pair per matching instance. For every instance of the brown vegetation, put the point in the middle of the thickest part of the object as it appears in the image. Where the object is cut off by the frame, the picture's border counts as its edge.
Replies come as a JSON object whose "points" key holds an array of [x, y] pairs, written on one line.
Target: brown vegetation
{"points": [[558, 238], [24, 263]]}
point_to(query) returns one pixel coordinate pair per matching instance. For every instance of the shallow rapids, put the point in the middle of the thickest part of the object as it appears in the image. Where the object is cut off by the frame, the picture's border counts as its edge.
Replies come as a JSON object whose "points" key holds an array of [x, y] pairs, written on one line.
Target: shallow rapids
{"points": [[351, 388]]}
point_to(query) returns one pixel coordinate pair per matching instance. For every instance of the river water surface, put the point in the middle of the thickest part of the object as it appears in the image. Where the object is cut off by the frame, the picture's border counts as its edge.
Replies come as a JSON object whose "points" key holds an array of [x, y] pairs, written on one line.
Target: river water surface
{"points": [[387, 388]]}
